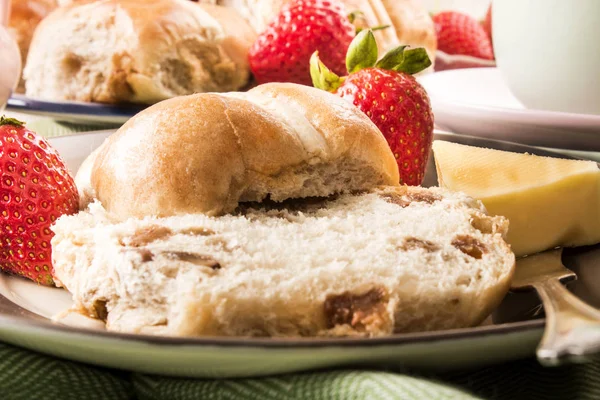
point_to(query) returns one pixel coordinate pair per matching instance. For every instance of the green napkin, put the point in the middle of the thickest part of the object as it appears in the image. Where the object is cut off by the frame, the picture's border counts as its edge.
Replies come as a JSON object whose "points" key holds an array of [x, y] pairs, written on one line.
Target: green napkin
{"points": [[25, 375]]}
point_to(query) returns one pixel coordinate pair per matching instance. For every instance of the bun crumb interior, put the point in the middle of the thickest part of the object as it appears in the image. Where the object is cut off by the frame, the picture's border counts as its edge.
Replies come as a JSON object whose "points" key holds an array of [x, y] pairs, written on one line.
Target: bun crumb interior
{"points": [[393, 259]]}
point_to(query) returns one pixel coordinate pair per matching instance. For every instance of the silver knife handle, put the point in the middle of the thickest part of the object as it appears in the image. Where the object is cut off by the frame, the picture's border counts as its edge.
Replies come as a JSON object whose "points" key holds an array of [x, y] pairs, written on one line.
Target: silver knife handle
{"points": [[572, 327]]}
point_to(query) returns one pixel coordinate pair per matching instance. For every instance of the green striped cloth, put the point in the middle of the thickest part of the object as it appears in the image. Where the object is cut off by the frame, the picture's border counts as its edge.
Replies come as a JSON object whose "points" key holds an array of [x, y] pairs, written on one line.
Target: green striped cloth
{"points": [[25, 375]]}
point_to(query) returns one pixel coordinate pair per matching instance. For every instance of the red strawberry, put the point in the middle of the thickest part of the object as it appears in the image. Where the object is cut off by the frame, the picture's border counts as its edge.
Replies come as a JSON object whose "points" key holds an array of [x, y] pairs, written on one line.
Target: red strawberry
{"points": [[390, 96], [487, 23], [35, 189], [458, 33], [282, 52]]}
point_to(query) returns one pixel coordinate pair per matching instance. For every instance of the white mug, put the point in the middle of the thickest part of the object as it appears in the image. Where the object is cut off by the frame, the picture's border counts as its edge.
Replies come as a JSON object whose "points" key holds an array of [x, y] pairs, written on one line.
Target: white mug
{"points": [[10, 65], [548, 52]]}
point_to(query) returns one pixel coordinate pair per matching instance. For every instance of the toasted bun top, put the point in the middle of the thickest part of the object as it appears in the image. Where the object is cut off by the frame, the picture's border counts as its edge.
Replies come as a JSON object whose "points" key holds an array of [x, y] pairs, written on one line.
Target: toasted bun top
{"points": [[205, 153]]}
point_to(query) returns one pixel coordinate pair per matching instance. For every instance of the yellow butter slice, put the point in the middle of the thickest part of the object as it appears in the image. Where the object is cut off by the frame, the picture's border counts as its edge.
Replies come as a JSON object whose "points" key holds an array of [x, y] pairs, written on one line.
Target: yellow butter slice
{"points": [[549, 201]]}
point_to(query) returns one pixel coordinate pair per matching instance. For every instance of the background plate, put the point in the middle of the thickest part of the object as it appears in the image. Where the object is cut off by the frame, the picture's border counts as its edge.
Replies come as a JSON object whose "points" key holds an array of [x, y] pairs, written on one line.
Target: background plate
{"points": [[25, 309], [464, 100], [72, 111]]}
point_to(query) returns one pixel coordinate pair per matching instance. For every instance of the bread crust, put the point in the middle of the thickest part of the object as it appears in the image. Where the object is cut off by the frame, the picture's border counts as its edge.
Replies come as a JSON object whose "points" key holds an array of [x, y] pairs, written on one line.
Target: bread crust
{"points": [[137, 51], [205, 153]]}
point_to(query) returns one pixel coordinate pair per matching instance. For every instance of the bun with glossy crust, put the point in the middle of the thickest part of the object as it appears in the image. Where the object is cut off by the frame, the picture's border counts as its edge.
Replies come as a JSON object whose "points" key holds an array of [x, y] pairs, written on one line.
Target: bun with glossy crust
{"points": [[206, 153]]}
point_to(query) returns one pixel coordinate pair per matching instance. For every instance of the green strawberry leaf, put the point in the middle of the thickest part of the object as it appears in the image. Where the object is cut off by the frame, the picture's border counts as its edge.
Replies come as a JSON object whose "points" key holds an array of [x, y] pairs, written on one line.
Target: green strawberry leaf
{"points": [[415, 60], [391, 58], [322, 77], [11, 121], [401, 59], [362, 52]]}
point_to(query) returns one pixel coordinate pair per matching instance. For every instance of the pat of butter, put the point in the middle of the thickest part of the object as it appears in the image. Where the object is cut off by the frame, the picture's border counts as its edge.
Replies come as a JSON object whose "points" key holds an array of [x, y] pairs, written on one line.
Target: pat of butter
{"points": [[549, 202]]}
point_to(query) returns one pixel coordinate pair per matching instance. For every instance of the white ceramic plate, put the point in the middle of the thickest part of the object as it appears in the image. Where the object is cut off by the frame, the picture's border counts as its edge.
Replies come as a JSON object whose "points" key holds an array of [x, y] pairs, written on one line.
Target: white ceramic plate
{"points": [[72, 111], [477, 102], [26, 309]]}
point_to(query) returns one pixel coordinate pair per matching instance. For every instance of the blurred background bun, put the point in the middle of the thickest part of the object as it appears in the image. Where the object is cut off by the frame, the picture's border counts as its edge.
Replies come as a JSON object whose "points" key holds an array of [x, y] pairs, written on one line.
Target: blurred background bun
{"points": [[137, 51]]}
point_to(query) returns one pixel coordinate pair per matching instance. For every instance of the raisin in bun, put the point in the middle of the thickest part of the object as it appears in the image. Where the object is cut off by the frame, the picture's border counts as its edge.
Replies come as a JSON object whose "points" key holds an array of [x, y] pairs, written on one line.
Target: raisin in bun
{"points": [[137, 51]]}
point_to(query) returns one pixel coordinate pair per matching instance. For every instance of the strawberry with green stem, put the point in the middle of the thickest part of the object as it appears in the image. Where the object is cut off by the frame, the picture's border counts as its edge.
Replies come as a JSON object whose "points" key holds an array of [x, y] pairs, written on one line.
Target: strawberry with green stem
{"points": [[389, 95], [35, 190]]}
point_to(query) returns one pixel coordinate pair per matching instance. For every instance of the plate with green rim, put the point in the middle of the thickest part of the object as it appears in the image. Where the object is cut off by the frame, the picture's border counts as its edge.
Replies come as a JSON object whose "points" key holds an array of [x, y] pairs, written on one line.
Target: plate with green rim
{"points": [[513, 331]]}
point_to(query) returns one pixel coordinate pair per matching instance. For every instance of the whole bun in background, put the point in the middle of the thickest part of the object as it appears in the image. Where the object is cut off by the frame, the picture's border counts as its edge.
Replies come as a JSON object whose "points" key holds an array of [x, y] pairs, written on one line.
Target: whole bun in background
{"points": [[206, 153], [137, 51]]}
